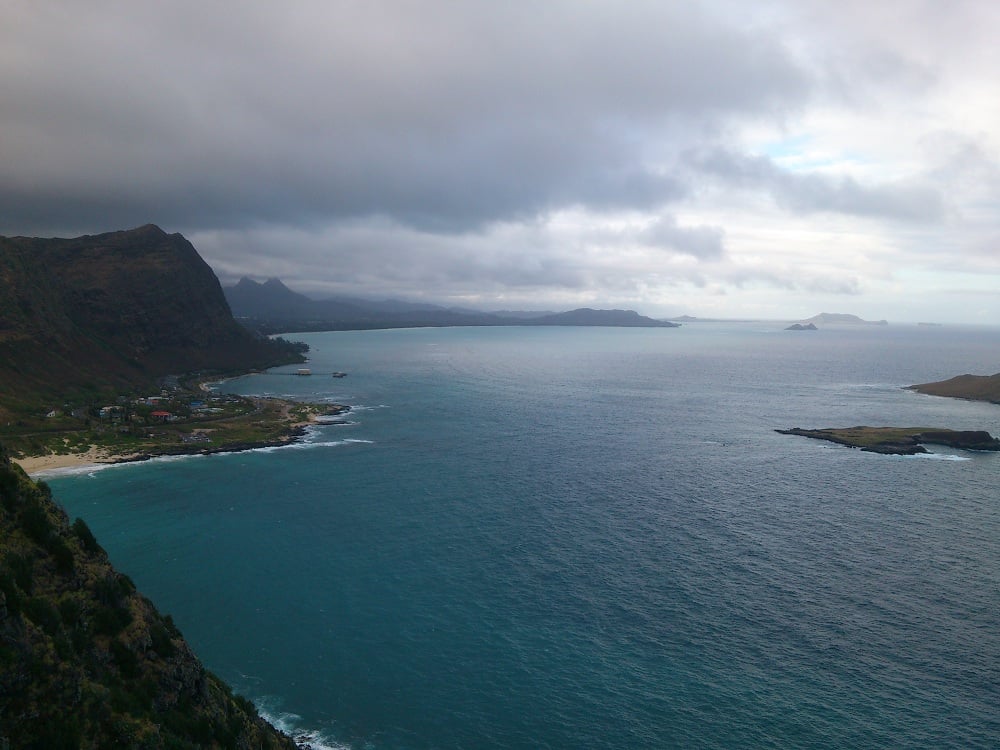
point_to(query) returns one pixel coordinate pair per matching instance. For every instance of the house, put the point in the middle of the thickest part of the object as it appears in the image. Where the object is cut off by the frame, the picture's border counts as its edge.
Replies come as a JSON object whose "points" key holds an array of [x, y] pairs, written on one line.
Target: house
{"points": [[160, 416]]}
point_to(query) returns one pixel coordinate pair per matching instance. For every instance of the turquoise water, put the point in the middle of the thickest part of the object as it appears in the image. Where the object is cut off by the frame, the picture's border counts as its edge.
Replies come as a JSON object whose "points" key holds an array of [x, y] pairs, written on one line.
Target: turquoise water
{"points": [[568, 538]]}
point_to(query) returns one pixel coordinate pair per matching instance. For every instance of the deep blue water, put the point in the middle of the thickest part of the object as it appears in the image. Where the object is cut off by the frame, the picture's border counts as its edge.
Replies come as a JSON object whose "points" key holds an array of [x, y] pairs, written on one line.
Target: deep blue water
{"points": [[591, 538]]}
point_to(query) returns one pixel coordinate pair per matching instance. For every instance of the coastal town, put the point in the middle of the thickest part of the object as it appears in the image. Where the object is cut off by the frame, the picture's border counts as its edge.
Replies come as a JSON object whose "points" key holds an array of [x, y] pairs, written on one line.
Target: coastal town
{"points": [[181, 418]]}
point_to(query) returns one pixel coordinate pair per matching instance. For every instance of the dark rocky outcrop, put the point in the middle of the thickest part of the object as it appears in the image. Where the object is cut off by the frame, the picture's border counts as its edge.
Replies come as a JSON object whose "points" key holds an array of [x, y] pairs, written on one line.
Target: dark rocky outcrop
{"points": [[88, 662], [115, 309], [905, 441], [802, 327]]}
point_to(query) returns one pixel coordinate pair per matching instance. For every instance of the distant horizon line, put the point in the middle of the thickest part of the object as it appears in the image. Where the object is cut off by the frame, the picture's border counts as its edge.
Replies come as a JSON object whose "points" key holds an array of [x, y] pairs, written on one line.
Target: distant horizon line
{"points": [[679, 318]]}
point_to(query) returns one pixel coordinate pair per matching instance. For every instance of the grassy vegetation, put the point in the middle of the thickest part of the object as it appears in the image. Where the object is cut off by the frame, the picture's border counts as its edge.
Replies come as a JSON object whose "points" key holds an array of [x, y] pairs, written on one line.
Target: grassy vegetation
{"points": [[868, 437]]}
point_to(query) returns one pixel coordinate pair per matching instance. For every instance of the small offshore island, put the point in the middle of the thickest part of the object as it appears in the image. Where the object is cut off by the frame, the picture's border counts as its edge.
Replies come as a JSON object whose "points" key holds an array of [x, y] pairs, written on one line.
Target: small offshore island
{"points": [[908, 441], [901, 441]]}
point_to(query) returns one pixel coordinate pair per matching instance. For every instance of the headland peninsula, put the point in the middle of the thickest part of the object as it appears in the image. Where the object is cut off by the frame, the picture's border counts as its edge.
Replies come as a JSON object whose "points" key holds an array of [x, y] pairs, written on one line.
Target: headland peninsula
{"points": [[969, 387], [90, 330]]}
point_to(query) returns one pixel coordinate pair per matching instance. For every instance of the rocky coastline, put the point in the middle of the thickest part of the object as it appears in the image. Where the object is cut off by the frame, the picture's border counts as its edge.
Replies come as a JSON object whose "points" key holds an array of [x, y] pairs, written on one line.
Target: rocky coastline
{"points": [[292, 435]]}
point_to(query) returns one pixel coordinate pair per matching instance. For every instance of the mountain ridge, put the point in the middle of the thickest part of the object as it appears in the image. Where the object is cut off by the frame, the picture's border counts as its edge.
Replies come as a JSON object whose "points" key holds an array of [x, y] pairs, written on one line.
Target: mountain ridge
{"points": [[271, 307]]}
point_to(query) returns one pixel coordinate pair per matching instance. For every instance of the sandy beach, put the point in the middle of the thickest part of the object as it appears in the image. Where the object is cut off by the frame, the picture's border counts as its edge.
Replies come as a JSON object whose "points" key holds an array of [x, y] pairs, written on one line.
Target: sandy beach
{"points": [[33, 465]]}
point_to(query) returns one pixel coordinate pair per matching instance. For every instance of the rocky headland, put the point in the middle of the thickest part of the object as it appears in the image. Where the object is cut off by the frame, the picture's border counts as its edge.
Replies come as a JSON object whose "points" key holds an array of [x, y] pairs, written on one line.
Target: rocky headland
{"points": [[969, 387]]}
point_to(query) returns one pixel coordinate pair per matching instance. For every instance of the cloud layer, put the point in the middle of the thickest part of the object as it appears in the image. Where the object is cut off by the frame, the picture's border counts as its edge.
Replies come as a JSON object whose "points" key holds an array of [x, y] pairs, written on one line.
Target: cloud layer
{"points": [[680, 157]]}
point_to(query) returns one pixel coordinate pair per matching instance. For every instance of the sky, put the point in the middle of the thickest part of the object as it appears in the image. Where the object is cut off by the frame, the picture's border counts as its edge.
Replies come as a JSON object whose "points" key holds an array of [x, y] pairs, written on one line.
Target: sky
{"points": [[724, 158]]}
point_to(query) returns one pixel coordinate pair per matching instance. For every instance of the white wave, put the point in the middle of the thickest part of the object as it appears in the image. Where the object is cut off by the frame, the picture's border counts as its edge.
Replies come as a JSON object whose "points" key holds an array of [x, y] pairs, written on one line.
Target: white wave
{"points": [[305, 445], [64, 471], [309, 440], [366, 407], [289, 723], [942, 457]]}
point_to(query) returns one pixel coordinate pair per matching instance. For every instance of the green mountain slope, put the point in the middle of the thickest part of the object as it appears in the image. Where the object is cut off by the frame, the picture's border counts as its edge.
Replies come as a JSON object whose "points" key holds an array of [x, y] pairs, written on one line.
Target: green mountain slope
{"points": [[85, 660]]}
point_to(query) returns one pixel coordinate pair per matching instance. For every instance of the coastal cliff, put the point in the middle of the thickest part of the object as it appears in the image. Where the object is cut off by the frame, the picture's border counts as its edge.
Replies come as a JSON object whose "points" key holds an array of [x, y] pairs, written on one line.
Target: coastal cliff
{"points": [[85, 660], [115, 310]]}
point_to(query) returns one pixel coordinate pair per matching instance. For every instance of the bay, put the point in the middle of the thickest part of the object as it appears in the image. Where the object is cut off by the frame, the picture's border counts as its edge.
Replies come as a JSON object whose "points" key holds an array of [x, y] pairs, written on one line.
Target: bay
{"points": [[559, 537]]}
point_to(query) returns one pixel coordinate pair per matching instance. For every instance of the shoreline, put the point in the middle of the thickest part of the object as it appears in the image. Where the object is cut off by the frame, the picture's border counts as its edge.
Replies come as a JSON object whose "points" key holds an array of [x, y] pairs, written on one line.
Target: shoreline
{"points": [[52, 462], [97, 457]]}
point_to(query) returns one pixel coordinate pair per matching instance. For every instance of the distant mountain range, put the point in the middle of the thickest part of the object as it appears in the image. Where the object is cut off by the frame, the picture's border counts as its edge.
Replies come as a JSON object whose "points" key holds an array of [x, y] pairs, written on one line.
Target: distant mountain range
{"points": [[271, 307], [114, 310]]}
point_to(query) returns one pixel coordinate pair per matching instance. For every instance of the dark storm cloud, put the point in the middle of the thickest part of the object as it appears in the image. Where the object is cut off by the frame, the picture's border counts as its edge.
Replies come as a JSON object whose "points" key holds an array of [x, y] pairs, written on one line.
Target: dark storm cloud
{"points": [[811, 192], [705, 243], [464, 149], [445, 116]]}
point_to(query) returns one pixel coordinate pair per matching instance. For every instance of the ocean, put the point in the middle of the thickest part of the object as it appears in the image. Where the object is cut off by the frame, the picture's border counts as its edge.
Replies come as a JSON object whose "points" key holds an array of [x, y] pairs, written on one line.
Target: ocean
{"points": [[590, 538]]}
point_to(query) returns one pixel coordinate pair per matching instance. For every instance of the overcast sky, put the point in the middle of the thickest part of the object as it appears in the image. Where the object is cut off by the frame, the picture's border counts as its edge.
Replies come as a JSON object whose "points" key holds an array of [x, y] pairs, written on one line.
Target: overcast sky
{"points": [[726, 158]]}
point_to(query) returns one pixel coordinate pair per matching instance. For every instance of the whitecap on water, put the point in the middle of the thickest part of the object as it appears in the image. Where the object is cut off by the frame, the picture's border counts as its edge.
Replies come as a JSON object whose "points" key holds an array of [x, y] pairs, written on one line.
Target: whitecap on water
{"points": [[311, 738]]}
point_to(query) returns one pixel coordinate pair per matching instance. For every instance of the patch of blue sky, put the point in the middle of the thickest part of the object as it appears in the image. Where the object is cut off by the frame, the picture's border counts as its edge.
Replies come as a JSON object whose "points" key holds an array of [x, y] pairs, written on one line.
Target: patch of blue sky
{"points": [[801, 153]]}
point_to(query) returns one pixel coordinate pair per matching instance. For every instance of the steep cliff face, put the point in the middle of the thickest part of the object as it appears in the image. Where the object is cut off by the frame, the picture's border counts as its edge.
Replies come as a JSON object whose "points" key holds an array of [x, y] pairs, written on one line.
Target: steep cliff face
{"points": [[115, 308], [85, 660]]}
